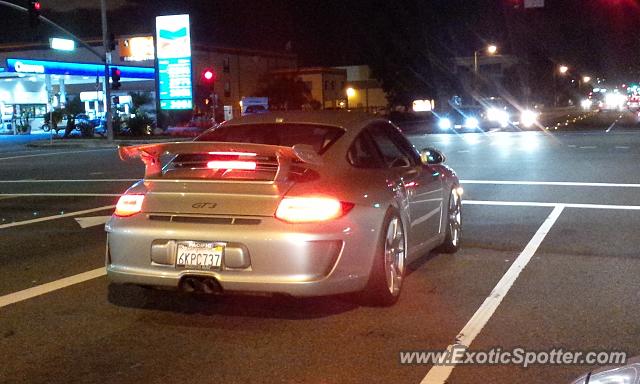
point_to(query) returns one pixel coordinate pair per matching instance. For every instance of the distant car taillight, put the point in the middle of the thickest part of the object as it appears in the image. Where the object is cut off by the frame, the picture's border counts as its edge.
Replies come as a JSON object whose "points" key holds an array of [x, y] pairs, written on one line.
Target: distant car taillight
{"points": [[232, 164], [129, 205], [311, 209]]}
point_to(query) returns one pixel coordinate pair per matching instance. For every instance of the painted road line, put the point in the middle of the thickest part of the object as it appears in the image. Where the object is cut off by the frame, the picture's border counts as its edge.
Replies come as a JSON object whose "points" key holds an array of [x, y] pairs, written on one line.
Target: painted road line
{"points": [[551, 205], [440, 373], [34, 181], [91, 221], [13, 195], [588, 147], [556, 183], [43, 289], [56, 153], [622, 147], [55, 217]]}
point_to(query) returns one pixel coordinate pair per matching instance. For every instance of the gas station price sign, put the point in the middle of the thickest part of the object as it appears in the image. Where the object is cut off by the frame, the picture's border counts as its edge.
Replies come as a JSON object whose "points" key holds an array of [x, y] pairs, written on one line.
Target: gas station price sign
{"points": [[173, 46]]}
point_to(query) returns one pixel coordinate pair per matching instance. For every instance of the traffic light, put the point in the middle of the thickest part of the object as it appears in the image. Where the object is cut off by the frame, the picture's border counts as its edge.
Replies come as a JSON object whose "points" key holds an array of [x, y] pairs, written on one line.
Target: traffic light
{"points": [[209, 78], [115, 78], [33, 7]]}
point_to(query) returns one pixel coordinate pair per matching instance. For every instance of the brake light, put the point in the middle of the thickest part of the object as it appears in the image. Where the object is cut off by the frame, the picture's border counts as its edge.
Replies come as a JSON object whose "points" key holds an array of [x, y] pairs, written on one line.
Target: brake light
{"points": [[232, 164], [129, 205], [311, 209], [249, 154]]}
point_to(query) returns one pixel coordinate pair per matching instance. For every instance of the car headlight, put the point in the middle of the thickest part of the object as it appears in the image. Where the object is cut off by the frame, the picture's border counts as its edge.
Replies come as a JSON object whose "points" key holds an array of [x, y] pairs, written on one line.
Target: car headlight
{"points": [[471, 122], [444, 123], [528, 118], [498, 116]]}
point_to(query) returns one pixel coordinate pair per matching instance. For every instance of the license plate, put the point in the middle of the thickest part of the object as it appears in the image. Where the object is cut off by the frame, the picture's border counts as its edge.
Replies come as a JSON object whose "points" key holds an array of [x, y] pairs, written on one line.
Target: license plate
{"points": [[199, 254]]}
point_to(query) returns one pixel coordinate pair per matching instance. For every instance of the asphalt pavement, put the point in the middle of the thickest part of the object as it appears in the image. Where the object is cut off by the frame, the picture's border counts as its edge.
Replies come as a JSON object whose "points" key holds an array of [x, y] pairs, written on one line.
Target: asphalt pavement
{"points": [[561, 207]]}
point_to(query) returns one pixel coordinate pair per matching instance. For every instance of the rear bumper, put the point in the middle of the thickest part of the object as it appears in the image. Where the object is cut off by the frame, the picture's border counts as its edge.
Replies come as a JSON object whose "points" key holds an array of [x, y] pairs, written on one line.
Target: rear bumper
{"points": [[298, 260]]}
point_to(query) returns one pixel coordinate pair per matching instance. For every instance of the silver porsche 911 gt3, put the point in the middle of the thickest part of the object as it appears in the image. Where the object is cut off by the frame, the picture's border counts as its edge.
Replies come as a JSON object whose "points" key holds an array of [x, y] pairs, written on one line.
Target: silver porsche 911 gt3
{"points": [[303, 203]]}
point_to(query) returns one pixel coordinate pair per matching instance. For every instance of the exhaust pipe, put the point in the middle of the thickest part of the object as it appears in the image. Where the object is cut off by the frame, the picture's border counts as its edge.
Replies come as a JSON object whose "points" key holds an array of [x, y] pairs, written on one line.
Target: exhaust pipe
{"points": [[200, 285], [188, 285], [211, 286]]}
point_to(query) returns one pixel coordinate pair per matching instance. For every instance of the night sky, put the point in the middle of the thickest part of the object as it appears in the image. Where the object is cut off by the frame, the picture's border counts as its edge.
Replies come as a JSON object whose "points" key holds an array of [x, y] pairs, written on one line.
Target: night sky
{"points": [[601, 37]]}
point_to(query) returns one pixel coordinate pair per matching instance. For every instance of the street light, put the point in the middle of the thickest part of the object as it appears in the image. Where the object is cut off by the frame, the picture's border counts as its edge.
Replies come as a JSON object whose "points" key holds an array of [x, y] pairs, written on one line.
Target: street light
{"points": [[562, 69], [351, 92], [586, 79], [491, 50]]}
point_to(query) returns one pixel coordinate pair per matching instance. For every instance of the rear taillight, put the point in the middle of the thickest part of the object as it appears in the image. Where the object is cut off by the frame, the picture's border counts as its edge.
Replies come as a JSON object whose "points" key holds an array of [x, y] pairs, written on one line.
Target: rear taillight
{"points": [[129, 205], [232, 164], [311, 209]]}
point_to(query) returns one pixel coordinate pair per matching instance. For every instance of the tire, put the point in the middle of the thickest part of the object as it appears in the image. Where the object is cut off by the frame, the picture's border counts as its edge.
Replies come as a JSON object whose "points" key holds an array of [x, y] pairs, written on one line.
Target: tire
{"points": [[389, 265], [46, 127], [453, 224]]}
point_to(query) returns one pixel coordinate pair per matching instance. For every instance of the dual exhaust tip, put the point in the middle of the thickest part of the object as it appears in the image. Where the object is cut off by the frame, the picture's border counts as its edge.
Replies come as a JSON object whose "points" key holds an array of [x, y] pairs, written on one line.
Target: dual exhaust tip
{"points": [[200, 284]]}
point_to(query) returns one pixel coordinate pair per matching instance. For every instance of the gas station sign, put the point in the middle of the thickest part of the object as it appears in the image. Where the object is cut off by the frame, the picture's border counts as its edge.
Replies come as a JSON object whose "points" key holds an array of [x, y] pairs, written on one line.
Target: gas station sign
{"points": [[173, 52]]}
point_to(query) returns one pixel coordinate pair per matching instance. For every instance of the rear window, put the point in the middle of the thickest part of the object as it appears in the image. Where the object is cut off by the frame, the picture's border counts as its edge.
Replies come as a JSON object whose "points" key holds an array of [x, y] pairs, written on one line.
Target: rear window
{"points": [[264, 168], [320, 137]]}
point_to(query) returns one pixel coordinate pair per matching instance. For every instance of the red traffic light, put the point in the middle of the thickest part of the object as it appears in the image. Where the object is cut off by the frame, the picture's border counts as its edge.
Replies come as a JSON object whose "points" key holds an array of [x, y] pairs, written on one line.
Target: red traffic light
{"points": [[209, 75], [36, 5]]}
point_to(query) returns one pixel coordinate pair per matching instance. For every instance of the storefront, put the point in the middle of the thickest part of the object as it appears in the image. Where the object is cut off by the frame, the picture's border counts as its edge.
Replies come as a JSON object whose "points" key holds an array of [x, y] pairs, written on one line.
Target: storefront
{"points": [[35, 82]]}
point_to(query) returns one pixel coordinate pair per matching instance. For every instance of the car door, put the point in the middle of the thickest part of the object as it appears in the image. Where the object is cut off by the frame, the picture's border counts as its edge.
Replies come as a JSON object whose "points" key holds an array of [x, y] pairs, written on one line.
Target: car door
{"points": [[421, 183]]}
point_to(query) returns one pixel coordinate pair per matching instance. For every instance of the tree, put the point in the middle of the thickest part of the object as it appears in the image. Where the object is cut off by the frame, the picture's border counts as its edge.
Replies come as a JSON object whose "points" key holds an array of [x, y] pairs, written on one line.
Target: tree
{"points": [[73, 107], [286, 93]]}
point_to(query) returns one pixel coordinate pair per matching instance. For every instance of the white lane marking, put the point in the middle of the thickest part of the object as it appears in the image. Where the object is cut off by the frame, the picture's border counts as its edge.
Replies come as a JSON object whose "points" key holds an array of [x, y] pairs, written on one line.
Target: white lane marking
{"points": [[55, 153], [39, 290], [91, 221], [440, 373], [11, 195], [33, 181], [588, 147], [571, 145], [622, 147], [558, 183], [55, 217], [464, 151], [549, 205]]}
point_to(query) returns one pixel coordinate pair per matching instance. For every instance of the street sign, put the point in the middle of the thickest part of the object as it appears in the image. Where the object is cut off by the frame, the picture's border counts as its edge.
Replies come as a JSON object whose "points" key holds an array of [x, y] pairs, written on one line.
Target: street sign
{"points": [[173, 52], [534, 3], [62, 44]]}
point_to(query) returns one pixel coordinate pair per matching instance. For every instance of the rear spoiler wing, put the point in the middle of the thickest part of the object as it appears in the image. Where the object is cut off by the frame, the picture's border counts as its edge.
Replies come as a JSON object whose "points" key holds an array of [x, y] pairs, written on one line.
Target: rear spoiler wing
{"points": [[150, 153]]}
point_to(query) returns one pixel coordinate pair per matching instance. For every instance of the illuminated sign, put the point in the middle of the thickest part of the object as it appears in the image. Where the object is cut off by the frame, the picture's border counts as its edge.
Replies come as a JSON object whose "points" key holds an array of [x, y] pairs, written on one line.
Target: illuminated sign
{"points": [[75, 69], [22, 67], [137, 49], [422, 105], [62, 44], [173, 38]]}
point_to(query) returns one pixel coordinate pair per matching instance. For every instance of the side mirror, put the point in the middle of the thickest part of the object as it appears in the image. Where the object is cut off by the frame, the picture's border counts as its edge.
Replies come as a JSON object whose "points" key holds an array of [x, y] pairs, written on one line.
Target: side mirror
{"points": [[431, 156]]}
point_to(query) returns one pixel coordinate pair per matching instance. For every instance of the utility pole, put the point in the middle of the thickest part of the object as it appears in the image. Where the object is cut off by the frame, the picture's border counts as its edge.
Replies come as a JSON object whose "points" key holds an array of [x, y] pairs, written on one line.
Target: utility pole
{"points": [[107, 63]]}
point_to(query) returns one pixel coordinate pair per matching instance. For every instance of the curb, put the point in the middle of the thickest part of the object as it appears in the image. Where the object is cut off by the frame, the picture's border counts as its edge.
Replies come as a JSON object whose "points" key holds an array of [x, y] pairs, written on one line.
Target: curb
{"points": [[97, 143]]}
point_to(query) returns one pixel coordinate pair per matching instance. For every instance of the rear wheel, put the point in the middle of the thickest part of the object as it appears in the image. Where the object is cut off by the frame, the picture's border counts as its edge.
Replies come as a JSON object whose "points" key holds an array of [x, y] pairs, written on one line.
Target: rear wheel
{"points": [[453, 224], [387, 274]]}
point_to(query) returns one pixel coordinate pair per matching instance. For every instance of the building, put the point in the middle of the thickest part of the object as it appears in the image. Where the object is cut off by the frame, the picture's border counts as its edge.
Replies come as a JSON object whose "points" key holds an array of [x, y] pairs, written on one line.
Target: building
{"points": [[325, 85], [363, 91], [35, 78]]}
